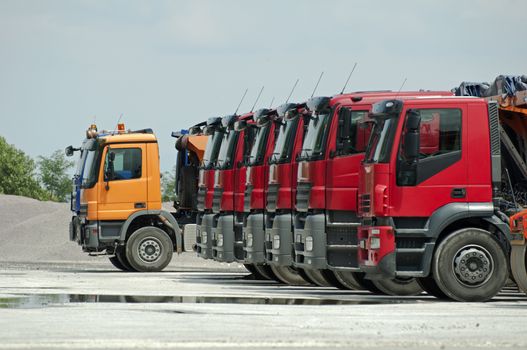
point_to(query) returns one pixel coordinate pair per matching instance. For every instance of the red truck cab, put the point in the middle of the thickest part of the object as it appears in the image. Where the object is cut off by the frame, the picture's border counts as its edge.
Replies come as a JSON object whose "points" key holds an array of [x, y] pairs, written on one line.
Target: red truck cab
{"points": [[206, 188], [427, 191]]}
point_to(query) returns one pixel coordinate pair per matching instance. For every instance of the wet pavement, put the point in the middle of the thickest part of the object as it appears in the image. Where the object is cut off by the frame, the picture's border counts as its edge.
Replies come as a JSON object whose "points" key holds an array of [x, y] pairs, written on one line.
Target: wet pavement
{"points": [[79, 306]]}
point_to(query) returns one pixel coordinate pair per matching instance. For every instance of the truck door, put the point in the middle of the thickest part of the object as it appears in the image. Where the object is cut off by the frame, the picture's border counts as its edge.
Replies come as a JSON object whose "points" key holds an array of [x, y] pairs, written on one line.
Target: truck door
{"points": [[344, 162], [123, 189], [439, 174]]}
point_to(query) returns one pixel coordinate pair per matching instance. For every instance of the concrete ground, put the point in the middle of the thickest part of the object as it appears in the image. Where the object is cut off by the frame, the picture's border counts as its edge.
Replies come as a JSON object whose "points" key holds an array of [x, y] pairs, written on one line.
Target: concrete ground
{"points": [[196, 304]]}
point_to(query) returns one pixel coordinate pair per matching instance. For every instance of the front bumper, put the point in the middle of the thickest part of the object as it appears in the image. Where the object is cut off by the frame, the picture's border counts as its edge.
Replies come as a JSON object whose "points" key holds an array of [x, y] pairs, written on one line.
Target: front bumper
{"points": [[253, 239], [223, 238], [279, 239], [377, 251], [204, 235], [310, 241]]}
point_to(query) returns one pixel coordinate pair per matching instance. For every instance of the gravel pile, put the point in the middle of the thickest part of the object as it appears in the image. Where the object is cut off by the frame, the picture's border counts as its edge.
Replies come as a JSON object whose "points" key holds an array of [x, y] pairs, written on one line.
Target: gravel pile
{"points": [[33, 231], [36, 232]]}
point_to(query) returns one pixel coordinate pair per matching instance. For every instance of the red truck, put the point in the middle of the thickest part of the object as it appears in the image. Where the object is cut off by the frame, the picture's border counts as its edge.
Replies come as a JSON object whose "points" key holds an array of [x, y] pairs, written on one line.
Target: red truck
{"points": [[326, 221], [430, 200], [205, 188]]}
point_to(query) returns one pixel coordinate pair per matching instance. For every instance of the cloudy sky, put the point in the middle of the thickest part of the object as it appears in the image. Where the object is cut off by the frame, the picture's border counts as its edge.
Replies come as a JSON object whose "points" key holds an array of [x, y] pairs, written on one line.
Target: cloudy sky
{"points": [[170, 64]]}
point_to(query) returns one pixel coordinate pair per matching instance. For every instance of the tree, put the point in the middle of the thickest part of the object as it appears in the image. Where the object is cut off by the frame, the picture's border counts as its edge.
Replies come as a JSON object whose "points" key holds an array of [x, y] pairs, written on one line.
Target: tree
{"points": [[54, 175], [17, 173], [168, 186]]}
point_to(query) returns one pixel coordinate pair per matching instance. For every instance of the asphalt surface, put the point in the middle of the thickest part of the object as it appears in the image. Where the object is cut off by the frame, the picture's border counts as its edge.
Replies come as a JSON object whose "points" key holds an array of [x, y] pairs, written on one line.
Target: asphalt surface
{"points": [[196, 304]]}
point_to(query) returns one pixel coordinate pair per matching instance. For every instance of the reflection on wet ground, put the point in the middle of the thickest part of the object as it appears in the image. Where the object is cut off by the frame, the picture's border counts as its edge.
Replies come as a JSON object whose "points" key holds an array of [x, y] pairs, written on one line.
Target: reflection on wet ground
{"points": [[29, 301]]}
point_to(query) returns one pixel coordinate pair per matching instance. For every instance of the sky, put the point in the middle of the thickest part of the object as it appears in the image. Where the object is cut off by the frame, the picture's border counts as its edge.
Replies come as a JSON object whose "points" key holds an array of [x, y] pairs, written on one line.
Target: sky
{"points": [[167, 65]]}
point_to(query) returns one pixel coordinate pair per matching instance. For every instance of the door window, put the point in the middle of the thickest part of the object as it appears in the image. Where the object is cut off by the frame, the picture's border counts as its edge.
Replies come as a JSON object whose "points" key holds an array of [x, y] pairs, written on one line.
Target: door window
{"points": [[355, 139], [127, 164], [439, 145]]}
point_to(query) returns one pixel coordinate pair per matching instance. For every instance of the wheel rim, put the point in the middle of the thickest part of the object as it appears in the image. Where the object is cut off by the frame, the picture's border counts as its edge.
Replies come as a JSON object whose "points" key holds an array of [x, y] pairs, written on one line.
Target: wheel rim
{"points": [[473, 266], [149, 249]]}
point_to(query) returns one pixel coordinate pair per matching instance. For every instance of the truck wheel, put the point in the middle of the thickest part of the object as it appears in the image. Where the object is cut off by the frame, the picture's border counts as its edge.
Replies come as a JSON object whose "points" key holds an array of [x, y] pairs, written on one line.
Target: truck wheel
{"points": [[519, 266], [470, 265], [116, 263], [368, 284], [349, 279], [317, 277], [120, 254], [266, 272], [398, 286], [302, 273], [430, 286], [332, 279], [289, 275], [149, 249], [252, 269]]}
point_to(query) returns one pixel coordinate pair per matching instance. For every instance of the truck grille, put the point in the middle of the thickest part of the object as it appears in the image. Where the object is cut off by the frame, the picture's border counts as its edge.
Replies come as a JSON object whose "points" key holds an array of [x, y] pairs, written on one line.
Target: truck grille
{"points": [[364, 203], [272, 197], [303, 191], [216, 199], [247, 198], [202, 192]]}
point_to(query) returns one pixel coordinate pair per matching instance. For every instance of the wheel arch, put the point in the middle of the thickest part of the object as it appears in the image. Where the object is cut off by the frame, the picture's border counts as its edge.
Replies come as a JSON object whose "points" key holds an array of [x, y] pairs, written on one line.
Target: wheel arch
{"points": [[144, 218]]}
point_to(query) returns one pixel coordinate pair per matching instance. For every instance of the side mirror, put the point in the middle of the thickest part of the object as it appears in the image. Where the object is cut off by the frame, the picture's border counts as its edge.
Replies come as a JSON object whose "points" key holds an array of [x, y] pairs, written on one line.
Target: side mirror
{"points": [[69, 151], [240, 125], [344, 127], [109, 174], [412, 137]]}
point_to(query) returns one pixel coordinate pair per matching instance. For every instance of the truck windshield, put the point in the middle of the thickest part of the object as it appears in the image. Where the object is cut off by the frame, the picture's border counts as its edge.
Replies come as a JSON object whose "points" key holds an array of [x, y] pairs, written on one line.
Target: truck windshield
{"points": [[284, 142], [212, 149], [225, 157], [91, 167], [380, 145], [313, 146], [258, 149]]}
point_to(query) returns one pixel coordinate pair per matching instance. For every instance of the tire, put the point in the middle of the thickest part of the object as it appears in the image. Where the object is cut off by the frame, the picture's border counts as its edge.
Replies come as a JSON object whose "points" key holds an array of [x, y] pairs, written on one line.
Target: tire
{"points": [[266, 272], [116, 263], [302, 273], [317, 277], [398, 286], [519, 266], [368, 284], [149, 249], [470, 265], [349, 279], [120, 254], [289, 275], [254, 272], [430, 286], [333, 280]]}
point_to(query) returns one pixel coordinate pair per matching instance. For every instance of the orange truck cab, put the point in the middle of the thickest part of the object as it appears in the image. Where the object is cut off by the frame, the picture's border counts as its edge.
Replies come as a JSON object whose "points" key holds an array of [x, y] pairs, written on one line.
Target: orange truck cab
{"points": [[120, 212]]}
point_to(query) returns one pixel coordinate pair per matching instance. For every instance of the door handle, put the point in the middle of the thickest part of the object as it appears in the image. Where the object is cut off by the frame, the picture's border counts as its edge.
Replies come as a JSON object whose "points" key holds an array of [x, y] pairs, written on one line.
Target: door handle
{"points": [[140, 205], [458, 193]]}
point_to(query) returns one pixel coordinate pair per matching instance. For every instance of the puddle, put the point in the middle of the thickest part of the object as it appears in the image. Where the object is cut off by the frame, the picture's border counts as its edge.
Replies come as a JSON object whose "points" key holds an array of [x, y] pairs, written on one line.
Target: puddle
{"points": [[29, 301]]}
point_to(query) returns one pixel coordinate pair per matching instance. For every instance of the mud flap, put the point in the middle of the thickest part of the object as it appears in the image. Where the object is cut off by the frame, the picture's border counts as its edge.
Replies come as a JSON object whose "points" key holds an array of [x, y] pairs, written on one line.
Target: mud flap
{"points": [[519, 266]]}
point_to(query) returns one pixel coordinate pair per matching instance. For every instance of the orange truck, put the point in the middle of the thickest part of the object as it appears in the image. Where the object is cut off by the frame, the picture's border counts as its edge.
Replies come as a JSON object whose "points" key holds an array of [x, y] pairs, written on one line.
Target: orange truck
{"points": [[116, 198]]}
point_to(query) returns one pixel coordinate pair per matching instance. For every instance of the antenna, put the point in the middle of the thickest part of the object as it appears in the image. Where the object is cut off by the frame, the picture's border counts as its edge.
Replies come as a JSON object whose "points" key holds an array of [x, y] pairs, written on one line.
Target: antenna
{"points": [[404, 82], [293, 89], [271, 104], [349, 76], [252, 109], [319, 78], [245, 93]]}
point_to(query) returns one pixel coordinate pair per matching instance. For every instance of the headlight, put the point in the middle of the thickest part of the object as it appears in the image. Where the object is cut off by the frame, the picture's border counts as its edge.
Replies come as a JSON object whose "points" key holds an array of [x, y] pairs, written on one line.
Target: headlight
{"points": [[220, 240], [248, 179], [249, 240], [204, 237], [273, 174], [309, 243], [276, 242], [201, 178]]}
